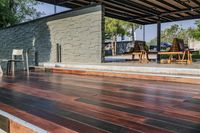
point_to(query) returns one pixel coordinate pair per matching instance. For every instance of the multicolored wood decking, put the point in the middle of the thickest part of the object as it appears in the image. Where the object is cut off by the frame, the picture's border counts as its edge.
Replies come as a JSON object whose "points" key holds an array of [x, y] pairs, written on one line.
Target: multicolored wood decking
{"points": [[88, 104]]}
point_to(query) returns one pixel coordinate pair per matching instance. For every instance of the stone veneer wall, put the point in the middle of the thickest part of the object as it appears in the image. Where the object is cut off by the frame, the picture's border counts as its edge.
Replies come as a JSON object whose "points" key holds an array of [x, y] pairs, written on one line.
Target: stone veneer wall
{"points": [[79, 33]]}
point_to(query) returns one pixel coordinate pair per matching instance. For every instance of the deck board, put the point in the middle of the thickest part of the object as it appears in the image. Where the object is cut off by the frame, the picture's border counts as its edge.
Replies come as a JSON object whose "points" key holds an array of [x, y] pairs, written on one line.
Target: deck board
{"points": [[95, 104]]}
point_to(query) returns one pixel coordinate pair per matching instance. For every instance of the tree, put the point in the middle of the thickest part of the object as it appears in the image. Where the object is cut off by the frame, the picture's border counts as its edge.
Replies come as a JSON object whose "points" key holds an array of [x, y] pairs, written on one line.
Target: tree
{"points": [[115, 28], [24, 9], [16, 11], [174, 31], [134, 27], [196, 32], [7, 17], [152, 42], [168, 34]]}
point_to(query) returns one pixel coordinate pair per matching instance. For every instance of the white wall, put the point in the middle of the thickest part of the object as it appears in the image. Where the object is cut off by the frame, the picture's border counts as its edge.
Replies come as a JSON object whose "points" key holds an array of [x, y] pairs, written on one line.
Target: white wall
{"points": [[194, 44]]}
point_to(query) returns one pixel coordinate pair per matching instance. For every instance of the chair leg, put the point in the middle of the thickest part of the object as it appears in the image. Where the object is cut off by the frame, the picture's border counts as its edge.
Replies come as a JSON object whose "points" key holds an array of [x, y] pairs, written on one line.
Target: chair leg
{"points": [[7, 70], [133, 56], [146, 58], [23, 62], [27, 65], [140, 58], [184, 54], [8, 67], [189, 58]]}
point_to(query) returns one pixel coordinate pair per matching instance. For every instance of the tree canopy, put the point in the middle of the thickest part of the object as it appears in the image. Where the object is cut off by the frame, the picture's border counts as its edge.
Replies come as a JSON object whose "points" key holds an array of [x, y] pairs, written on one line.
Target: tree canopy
{"points": [[16, 11], [115, 27], [196, 32], [178, 31], [7, 17], [175, 31]]}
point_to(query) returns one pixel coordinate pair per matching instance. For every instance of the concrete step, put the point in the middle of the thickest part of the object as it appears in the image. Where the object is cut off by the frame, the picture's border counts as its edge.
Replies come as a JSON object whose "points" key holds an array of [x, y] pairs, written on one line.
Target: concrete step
{"points": [[183, 78], [138, 69]]}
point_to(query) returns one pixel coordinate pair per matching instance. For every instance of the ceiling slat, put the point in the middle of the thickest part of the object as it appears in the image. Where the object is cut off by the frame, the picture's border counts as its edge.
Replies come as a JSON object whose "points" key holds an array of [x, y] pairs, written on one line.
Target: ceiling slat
{"points": [[141, 11]]}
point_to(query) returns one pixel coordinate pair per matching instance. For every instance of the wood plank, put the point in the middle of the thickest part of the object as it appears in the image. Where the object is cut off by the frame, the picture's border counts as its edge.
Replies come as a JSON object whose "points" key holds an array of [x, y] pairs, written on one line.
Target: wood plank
{"points": [[70, 114], [48, 125], [80, 103], [17, 128], [114, 87], [57, 97], [170, 53], [46, 109], [4, 124], [132, 76], [119, 81]]}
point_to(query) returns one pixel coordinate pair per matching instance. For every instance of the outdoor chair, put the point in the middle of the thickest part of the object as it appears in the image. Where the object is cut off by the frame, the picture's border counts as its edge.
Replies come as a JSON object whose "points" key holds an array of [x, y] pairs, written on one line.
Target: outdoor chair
{"points": [[187, 54], [13, 61], [141, 50], [178, 52]]}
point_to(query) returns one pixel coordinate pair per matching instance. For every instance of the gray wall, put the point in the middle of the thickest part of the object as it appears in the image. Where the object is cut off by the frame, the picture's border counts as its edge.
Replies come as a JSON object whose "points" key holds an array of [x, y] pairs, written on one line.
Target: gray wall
{"points": [[78, 32]]}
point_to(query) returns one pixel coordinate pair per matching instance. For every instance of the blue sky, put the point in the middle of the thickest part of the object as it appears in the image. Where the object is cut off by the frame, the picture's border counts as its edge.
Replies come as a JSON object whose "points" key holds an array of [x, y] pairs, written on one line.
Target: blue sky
{"points": [[48, 9], [150, 30]]}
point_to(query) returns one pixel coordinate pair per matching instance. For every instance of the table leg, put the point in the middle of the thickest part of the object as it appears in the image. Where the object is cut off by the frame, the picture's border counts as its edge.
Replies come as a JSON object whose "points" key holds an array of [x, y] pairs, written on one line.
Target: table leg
{"points": [[189, 61], [13, 68], [1, 71], [179, 57], [27, 66], [184, 54]]}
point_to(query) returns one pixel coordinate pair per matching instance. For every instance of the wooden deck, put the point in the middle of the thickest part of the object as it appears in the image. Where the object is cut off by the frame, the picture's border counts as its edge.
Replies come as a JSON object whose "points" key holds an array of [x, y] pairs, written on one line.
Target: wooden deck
{"points": [[88, 104]]}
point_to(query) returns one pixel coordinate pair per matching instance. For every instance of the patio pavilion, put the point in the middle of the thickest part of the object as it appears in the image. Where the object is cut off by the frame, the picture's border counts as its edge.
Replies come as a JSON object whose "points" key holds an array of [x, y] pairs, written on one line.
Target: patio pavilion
{"points": [[141, 12], [114, 99]]}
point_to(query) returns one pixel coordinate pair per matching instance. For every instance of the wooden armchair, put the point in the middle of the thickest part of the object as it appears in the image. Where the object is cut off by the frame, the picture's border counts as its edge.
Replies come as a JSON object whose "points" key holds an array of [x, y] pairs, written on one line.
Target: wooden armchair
{"points": [[178, 52], [141, 50], [187, 54]]}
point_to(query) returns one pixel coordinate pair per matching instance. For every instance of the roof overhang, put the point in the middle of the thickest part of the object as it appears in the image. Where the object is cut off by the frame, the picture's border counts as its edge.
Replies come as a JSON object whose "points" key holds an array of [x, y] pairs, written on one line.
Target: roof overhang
{"points": [[140, 11]]}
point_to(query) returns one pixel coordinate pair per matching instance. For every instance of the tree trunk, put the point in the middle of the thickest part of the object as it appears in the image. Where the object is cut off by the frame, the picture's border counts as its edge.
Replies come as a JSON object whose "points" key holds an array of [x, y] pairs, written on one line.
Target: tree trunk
{"points": [[11, 5], [114, 45], [133, 33]]}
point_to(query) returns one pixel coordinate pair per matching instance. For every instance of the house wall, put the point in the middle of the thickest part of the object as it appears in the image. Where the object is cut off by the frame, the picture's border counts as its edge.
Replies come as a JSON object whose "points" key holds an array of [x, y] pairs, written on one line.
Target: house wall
{"points": [[79, 33], [194, 44]]}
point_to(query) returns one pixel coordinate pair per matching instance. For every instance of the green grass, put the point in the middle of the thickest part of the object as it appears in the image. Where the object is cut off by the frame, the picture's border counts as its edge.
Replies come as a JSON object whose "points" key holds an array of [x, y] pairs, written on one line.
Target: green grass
{"points": [[196, 55]]}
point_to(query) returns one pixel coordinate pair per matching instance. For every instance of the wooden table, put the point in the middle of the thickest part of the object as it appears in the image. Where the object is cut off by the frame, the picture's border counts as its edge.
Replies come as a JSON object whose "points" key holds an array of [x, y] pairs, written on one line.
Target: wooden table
{"points": [[143, 56], [183, 56]]}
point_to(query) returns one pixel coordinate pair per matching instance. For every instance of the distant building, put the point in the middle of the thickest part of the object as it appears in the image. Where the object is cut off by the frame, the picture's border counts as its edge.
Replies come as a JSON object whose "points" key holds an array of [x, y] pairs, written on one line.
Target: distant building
{"points": [[194, 44]]}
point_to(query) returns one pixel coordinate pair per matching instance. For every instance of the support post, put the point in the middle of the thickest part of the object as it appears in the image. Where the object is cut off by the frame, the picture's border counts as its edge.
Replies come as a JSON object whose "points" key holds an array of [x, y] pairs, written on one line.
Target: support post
{"points": [[158, 40], [143, 32], [133, 33], [103, 34], [58, 52], [55, 7], [36, 58], [27, 65]]}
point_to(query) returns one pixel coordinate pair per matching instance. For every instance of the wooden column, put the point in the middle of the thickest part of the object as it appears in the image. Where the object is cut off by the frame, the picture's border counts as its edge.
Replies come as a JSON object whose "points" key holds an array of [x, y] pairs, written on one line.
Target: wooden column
{"points": [[58, 52]]}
